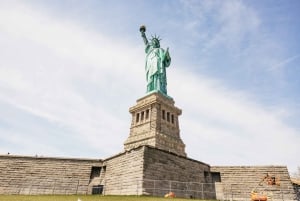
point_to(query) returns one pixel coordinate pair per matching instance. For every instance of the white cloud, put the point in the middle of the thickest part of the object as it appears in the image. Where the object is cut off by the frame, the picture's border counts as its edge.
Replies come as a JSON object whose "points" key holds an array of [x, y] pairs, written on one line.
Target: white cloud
{"points": [[85, 81], [284, 62], [222, 126], [59, 63]]}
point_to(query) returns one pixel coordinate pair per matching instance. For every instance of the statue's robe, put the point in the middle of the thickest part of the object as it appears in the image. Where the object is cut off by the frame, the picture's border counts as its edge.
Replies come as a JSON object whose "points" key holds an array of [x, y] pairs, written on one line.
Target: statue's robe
{"points": [[157, 60]]}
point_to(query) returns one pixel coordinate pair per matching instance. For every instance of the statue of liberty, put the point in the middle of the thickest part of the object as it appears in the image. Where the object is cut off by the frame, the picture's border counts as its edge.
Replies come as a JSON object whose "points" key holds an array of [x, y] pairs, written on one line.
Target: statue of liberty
{"points": [[157, 60]]}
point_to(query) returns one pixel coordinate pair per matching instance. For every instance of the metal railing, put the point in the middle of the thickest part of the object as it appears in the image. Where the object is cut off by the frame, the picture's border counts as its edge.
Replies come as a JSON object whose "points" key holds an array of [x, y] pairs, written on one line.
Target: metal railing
{"points": [[67, 186], [179, 188]]}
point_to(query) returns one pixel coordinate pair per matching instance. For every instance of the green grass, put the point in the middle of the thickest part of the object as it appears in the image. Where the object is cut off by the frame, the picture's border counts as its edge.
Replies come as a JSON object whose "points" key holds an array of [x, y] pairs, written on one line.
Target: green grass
{"points": [[83, 198]]}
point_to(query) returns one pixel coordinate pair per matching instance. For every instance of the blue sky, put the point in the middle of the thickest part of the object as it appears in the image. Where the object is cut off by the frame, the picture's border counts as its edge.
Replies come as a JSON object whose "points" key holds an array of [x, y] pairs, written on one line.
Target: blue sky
{"points": [[70, 70]]}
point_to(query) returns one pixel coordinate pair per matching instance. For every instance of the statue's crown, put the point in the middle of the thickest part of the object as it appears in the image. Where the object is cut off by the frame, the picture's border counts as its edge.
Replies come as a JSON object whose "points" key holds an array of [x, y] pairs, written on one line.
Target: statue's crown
{"points": [[155, 38]]}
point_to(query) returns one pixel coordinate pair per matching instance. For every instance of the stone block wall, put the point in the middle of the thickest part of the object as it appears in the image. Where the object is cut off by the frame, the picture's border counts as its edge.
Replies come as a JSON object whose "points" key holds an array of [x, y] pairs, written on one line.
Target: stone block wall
{"points": [[146, 170], [124, 173], [164, 172], [127, 173], [44, 175], [237, 182], [155, 123]]}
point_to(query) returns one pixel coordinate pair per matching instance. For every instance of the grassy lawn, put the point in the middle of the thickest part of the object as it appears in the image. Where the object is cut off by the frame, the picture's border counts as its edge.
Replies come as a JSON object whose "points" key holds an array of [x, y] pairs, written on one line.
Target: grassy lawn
{"points": [[82, 198]]}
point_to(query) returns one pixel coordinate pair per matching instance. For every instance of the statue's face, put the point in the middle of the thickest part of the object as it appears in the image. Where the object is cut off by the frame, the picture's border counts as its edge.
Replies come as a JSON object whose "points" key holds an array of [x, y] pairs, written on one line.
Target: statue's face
{"points": [[155, 43]]}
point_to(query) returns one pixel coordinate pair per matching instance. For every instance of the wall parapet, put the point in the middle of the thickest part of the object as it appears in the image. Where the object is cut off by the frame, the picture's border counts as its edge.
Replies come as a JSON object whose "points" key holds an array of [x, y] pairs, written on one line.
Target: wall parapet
{"points": [[45, 175]]}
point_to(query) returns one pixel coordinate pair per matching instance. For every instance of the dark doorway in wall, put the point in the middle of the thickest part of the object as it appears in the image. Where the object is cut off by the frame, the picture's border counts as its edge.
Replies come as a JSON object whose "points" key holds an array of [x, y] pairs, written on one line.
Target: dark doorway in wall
{"points": [[97, 189], [95, 172], [216, 176], [206, 176]]}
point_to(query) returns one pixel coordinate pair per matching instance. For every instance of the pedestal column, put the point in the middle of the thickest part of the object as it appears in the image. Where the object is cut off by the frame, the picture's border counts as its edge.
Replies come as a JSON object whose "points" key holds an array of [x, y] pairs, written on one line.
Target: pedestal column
{"points": [[155, 123]]}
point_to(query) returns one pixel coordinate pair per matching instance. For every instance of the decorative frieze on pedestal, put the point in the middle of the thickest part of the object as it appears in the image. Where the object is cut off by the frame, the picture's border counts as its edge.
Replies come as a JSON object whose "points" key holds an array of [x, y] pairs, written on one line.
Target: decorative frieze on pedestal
{"points": [[155, 123]]}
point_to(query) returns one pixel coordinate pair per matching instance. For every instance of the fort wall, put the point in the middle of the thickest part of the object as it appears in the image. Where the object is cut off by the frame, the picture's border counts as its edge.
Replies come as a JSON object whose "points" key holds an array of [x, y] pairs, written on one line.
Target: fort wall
{"points": [[144, 170], [185, 177], [44, 175], [124, 173], [237, 182], [128, 173]]}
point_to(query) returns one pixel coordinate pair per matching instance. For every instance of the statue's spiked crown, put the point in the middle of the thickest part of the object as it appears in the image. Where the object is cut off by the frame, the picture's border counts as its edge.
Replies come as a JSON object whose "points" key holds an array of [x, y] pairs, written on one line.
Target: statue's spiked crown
{"points": [[155, 38]]}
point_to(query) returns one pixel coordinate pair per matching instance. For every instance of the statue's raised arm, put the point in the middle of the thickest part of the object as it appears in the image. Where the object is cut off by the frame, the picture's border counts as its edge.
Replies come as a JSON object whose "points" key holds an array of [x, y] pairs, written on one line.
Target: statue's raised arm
{"points": [[157, 60], [143, 30]]}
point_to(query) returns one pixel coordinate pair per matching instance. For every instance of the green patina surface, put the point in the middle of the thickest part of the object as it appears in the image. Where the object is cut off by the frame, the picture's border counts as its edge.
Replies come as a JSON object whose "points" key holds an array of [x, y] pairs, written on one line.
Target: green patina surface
{"points": [[157, 60]]}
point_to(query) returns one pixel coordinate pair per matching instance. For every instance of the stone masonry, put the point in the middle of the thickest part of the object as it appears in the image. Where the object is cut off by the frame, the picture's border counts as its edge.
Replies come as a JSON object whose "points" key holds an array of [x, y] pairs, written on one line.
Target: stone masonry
{"points": [[155, 123], [237, 182], [124, 172], [44, 175], [146, 170], [186, 177]]}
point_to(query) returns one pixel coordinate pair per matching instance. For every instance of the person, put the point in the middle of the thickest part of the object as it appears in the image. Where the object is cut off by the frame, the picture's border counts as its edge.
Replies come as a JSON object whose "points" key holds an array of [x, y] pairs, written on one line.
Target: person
{"points": [[157, 60]]}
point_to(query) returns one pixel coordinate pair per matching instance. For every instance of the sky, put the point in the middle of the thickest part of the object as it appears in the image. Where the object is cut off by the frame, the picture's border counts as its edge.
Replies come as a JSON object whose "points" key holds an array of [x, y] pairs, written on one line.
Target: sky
{"points": [[70, 70]]}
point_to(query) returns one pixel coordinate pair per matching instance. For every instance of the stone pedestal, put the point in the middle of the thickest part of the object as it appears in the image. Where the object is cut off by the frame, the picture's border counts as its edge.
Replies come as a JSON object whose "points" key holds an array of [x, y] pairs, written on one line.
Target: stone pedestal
{"points": [[155, 123]]}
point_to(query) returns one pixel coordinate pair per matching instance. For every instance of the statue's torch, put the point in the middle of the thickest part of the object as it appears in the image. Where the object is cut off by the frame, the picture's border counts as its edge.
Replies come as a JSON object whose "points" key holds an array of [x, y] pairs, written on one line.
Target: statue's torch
{"points": [[143, 30]]}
